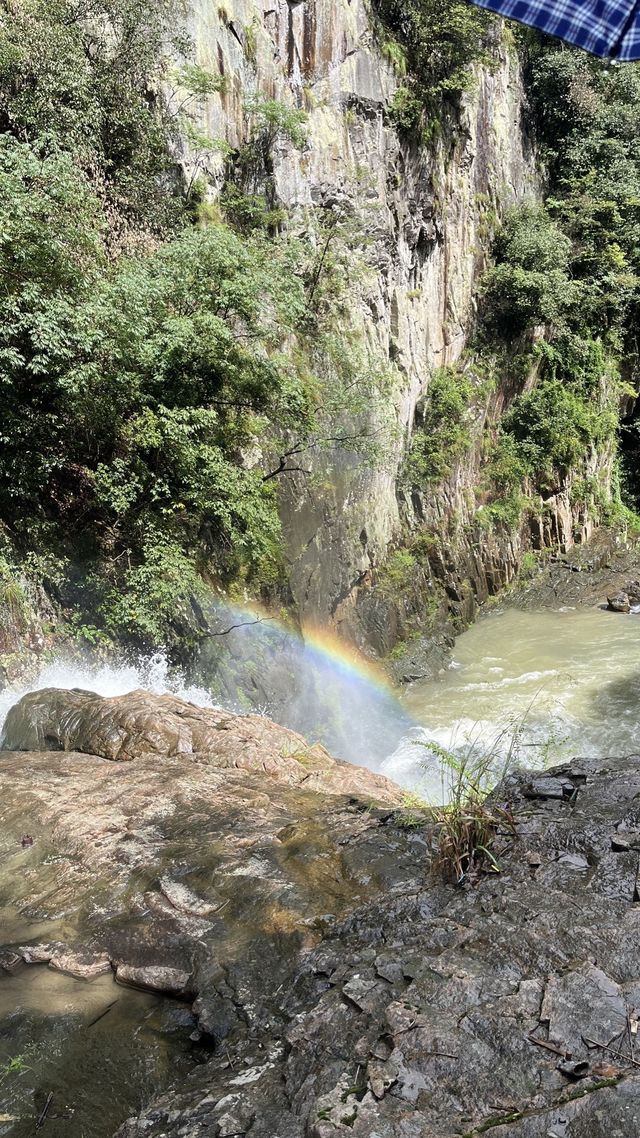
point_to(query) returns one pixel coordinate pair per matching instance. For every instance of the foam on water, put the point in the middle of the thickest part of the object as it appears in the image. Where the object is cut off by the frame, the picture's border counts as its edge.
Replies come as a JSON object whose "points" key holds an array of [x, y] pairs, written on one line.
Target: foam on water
{"points": [[417, 762], [152, 673], [324, 690], [507, 681], [533, 687]]}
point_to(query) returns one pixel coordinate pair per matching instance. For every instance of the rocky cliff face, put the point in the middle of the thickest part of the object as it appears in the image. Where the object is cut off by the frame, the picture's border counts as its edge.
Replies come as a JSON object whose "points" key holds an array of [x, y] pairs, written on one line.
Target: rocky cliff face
{"points": [[427, 213]]}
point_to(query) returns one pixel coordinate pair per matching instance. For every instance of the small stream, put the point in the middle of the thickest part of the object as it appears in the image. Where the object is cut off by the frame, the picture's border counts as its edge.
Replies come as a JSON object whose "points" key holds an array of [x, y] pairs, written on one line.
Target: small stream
{"points": [[541, 685]]}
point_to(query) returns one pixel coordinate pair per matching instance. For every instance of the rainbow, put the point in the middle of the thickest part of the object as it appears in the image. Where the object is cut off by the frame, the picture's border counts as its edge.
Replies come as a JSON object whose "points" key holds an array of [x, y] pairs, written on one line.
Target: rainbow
{"points": [[321, 645], [351, 664]]}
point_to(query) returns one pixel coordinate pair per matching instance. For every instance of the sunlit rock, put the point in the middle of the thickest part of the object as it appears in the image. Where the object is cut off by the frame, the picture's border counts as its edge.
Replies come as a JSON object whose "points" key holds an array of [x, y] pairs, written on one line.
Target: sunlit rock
{"points": [[140, 723]]}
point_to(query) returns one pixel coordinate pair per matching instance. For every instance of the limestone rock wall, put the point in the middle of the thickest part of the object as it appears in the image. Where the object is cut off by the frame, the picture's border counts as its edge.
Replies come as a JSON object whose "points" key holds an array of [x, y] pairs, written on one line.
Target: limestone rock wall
{"points": [[427, 212]]}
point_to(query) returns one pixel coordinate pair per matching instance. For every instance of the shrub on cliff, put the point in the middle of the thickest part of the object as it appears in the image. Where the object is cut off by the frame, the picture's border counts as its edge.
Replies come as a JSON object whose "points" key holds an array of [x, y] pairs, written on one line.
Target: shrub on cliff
{"points": [[529, 283], [131, 391], [84, 73], [587, 122], [554, 428], [138, 378], [443, 432], [433, 47], [567, 273]]}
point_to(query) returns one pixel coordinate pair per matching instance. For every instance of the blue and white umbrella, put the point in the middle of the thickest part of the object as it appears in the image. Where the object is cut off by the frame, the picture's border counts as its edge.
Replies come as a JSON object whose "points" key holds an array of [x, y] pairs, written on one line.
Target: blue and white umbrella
{"points": [[602, 27]]}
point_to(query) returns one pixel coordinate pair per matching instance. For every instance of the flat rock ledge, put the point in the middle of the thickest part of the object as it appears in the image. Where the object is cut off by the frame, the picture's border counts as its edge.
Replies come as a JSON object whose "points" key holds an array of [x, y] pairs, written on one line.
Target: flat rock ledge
{"points": [[509, 1008], [343, 987]]}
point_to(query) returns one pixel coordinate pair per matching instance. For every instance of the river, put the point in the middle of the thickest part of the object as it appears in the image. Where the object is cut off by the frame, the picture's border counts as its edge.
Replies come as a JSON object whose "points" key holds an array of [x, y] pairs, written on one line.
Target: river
{"points": [[541, 685], [80, 1056]]}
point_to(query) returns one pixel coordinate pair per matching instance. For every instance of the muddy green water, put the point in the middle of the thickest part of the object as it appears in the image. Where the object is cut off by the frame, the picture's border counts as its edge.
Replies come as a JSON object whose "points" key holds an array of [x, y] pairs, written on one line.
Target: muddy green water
{"points": [[545, 685], [102, 1050]]}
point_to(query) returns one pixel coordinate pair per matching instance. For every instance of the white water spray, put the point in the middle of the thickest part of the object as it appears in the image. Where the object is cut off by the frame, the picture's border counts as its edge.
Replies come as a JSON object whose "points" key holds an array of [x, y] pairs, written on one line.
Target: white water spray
{"points": [[152, 673], [541, 686]]}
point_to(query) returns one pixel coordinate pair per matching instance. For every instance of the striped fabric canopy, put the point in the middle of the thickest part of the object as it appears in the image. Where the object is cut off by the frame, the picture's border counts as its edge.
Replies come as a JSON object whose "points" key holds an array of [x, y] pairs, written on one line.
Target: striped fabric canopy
{"points": [[603, 27]]}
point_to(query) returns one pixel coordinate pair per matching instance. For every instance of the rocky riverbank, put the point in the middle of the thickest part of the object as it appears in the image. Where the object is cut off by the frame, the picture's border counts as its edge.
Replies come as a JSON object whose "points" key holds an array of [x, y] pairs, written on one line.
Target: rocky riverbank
{"points": [[585, 575], [343, 986], [506, 1008]]}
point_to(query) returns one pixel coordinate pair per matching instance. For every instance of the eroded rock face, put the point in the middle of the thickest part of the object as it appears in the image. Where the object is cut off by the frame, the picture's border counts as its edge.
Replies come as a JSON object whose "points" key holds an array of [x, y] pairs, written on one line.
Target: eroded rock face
{"points": [[140, 723], [426, 252]]}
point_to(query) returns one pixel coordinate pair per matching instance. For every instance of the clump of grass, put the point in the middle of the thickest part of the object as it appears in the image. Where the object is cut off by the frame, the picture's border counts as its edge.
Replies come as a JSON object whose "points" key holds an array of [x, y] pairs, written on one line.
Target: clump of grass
{"points": [[468, 825], [469, 820], [414, 812], [466, 830], [13, 1066]]}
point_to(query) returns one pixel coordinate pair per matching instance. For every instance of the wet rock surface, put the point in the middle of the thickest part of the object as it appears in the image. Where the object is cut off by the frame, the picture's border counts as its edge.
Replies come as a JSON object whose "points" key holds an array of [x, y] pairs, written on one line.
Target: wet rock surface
{"points": [[342, 986], [121, 728], [619, 603], [199, 875], [430, 1011], [587, 574]]}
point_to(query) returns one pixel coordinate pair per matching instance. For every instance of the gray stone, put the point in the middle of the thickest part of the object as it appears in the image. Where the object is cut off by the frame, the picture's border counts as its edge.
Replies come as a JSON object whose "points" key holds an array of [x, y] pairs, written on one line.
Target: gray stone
{"points": [[82, 965], [39, 953], [9, 961], [619, 603], [157, 978]]}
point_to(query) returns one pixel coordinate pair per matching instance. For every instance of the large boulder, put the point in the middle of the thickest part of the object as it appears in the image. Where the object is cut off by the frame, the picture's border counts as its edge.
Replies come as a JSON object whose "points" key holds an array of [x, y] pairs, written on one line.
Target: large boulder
{"points": [[140, 723], [217, 821]]}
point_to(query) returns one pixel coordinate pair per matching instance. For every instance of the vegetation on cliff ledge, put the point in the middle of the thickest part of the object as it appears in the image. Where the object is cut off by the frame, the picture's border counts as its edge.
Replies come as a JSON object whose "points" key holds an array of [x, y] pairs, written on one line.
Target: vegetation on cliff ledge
{"points": [[432, 47], [559, 301], [152, 347], [563, 296]]}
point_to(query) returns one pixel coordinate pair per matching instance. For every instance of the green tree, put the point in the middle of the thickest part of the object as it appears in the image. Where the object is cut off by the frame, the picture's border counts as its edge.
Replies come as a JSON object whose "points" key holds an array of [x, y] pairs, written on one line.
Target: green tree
{"points": [[434, 46], [86, 74], [530, 281]]}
